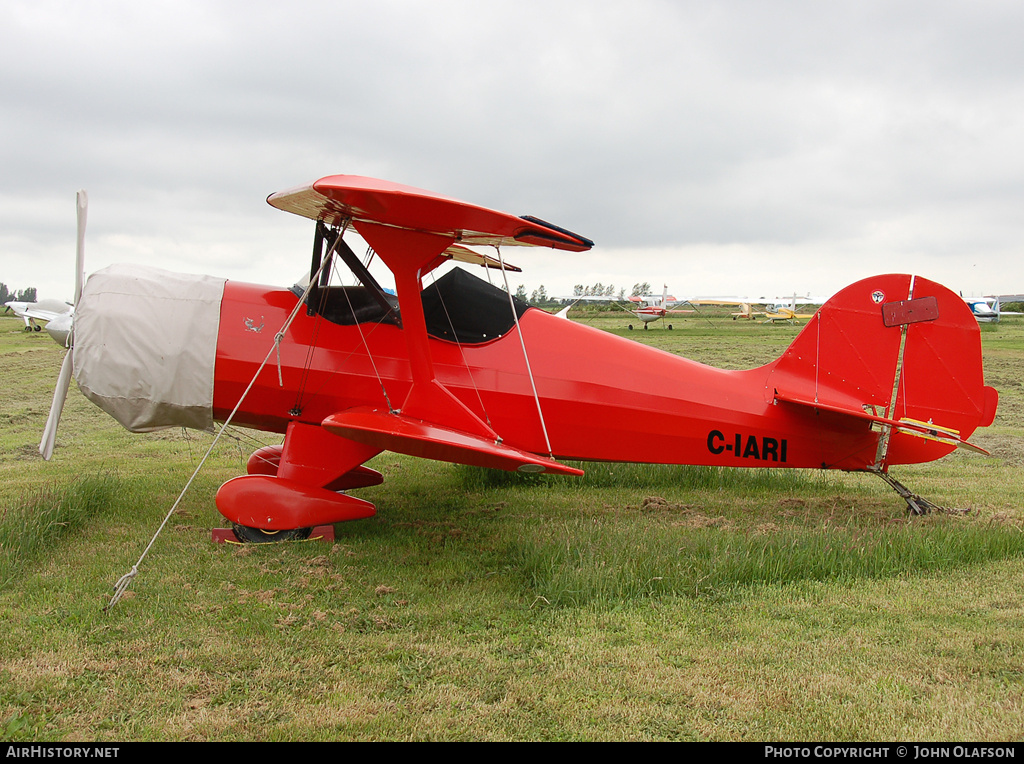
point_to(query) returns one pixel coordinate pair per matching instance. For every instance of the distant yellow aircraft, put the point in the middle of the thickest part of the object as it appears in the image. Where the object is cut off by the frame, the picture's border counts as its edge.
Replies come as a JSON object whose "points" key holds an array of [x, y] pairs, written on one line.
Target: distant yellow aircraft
{"points": [[747, 311], [774, 310], [785, 314]]}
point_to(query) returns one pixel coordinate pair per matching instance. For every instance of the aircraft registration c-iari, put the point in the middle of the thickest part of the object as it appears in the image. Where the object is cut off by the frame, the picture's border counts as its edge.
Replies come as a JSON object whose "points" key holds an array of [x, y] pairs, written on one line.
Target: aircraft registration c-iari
{"points": [[887, 372]]}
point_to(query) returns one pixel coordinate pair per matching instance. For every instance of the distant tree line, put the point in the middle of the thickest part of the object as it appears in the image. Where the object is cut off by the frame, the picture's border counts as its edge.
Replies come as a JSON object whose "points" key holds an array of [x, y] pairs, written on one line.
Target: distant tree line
{"points": [[600, 290], [540, 296], [25, 295]]}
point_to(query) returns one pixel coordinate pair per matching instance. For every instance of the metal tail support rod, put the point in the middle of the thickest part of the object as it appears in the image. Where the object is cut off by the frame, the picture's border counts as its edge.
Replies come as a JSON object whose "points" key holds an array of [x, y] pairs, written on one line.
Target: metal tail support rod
{"points": [[916, 504]]}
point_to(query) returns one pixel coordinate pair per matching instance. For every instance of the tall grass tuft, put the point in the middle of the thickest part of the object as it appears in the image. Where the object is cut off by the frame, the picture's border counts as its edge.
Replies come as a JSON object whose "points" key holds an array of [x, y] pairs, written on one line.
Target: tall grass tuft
{"points": [[623, 475], [586, 562], [39, 519]]}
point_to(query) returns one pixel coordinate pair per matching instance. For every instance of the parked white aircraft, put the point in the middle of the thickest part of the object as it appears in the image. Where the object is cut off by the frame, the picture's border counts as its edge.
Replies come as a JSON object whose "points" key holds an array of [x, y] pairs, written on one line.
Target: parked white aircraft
{"points": [[987, 309], [47, 311]]}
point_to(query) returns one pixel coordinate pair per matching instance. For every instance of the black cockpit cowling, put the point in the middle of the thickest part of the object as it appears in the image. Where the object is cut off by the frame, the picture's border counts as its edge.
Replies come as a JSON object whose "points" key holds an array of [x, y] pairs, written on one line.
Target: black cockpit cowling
{"points": [[458, 307]]}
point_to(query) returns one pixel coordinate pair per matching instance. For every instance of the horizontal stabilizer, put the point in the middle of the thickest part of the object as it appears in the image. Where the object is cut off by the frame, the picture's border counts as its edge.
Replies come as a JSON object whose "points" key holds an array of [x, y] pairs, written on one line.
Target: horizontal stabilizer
{"points": [[393, 432], [919, 429]]}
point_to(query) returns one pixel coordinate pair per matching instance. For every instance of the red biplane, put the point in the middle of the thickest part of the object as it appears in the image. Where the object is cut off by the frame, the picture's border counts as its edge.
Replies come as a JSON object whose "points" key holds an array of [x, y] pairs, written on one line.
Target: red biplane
{"points": [[887, 372]]}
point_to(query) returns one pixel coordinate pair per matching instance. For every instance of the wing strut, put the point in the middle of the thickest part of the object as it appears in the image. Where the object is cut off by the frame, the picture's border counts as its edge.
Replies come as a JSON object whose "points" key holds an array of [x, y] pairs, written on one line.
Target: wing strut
{"points": [[432, 422], [344, 251], [522, 342]]}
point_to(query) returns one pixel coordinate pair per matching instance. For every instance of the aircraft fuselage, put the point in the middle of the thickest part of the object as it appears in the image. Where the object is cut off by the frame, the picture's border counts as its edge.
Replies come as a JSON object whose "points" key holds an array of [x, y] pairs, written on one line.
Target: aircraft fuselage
{"points": [[602, 397]]}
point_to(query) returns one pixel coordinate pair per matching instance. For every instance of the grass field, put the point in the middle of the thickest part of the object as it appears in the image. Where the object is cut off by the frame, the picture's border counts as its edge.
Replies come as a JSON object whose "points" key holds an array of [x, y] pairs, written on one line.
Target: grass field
{"points": [[636, 603]]}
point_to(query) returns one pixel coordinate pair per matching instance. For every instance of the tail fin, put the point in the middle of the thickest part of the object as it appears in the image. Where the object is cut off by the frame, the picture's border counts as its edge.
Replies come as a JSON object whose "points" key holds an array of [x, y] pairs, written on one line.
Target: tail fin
{"points": [[900, 351]]}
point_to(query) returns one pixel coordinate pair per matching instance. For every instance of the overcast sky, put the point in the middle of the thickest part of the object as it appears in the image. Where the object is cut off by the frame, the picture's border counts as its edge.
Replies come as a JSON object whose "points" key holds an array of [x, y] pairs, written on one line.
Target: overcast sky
{"points": [[717, 147]]}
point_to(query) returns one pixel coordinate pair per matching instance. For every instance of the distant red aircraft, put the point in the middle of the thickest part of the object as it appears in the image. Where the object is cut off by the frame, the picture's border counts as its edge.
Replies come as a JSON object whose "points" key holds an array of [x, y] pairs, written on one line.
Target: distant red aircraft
{"points": [[655, 308], [887, 372]]}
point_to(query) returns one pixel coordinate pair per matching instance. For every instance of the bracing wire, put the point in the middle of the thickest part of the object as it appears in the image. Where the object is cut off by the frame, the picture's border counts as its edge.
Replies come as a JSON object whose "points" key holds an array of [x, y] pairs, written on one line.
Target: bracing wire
{"points": [[368, 258], [462, 353], [326, 263], [311, 348], [369, 355], [522, 342]]}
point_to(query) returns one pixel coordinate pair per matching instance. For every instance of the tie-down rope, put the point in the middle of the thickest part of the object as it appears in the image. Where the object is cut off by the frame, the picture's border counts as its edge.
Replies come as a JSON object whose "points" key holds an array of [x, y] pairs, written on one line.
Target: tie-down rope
{"points": [[125, 581]]}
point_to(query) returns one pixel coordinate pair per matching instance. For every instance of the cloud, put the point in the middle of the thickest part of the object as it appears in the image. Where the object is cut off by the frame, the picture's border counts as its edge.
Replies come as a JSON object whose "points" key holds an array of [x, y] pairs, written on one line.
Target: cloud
{"points": [[787, 134]]}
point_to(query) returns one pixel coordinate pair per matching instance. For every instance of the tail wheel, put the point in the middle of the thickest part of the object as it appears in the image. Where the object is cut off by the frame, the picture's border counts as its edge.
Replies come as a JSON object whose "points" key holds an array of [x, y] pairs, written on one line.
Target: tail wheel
{"points": [[248, 535]]}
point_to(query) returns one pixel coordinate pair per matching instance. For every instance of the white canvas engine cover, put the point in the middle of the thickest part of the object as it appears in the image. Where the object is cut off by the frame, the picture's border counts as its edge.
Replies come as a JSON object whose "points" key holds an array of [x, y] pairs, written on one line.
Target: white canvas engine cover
{"points": [[145, 345]]}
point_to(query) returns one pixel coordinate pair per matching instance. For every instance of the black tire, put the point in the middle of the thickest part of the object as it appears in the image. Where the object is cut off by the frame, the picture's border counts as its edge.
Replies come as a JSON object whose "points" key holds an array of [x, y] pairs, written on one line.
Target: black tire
{"points": [[248, 535], [631, 327], [670, 327]]}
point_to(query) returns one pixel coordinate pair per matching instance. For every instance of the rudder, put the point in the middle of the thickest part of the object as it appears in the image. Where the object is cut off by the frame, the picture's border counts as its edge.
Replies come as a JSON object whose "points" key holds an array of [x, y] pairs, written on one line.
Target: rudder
{"points": [[899, 351]]}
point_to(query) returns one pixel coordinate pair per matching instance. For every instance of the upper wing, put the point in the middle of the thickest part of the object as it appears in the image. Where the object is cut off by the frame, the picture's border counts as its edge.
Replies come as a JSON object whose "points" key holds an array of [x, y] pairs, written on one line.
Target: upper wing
{"points": [[337, 198], [44, 310], [788, 300], [412, 231], [726, 301], [43, 315]]}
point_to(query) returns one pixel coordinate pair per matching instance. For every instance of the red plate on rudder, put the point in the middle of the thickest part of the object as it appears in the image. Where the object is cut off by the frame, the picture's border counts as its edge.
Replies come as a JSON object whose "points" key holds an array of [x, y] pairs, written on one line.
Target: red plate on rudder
{"points": [[910, 311]]}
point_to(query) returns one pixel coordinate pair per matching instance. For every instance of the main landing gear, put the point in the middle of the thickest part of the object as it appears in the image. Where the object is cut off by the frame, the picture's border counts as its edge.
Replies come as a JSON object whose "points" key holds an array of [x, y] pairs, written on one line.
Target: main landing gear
{"points": [[248, 535], [293, 488]]}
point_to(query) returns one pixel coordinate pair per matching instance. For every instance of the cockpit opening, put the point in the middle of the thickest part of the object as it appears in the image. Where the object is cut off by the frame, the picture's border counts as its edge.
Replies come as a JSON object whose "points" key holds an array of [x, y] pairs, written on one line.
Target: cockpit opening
{"points": [[458, 307]]}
